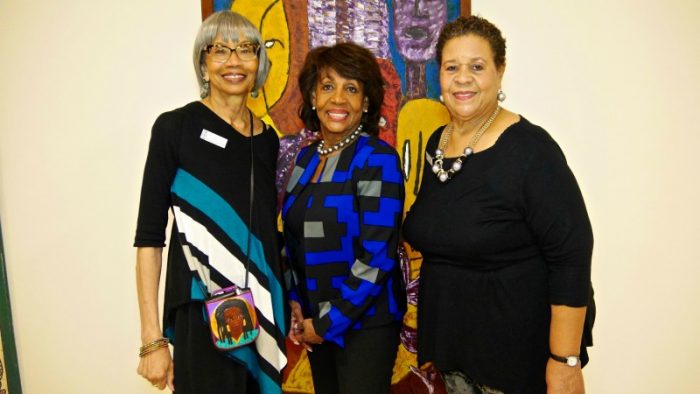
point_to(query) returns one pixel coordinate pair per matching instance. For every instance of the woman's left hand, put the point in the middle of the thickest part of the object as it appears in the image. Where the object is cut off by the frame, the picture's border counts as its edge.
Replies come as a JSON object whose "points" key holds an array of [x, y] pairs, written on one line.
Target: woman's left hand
{"points": [[563, 379], [308, 334]]}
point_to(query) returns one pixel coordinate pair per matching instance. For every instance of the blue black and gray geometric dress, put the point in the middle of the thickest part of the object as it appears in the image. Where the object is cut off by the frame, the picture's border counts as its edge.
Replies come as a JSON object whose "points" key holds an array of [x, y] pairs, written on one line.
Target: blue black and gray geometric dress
{"points": [[341, 236]]}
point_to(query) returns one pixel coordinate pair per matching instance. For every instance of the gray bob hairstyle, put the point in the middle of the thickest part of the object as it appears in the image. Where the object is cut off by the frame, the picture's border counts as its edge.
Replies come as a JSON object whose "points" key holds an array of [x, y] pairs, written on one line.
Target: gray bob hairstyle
{"points": [[231, 26]]}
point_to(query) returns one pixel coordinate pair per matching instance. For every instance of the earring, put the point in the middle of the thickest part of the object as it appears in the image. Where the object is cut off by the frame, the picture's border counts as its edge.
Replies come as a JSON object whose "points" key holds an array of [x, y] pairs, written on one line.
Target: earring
{"points": [[365, 110], [254, 94], [501, 96], [204, 90], [442, 100], [313, 108]]}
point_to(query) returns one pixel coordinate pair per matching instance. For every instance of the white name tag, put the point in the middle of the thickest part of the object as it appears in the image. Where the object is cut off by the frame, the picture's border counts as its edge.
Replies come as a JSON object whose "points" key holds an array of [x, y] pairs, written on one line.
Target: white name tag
{"points": [[213, 138]]}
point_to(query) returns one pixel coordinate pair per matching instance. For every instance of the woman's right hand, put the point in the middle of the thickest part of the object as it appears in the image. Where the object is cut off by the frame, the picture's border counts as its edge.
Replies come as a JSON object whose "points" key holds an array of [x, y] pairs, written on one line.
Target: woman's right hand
{"points": [[157, 368]]}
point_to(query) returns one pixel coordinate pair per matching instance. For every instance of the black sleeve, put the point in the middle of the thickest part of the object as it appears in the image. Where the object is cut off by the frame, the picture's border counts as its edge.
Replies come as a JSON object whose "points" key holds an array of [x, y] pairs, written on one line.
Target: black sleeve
{"points": [[158, 174], [557, 215]]}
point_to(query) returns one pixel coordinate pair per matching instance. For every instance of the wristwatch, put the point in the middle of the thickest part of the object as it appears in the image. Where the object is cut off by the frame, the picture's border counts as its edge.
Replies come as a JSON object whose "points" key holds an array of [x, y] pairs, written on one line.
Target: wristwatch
{"points": [[571, 361]]}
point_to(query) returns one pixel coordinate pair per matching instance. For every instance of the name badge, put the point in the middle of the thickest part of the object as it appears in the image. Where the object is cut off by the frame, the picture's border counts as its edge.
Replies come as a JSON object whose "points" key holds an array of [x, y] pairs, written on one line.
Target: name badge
{"points": [[213, 138]]}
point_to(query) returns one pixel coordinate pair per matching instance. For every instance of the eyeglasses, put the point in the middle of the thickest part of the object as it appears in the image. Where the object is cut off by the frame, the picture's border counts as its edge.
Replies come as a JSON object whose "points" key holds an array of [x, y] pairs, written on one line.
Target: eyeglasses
{"points": [[221, 53]]}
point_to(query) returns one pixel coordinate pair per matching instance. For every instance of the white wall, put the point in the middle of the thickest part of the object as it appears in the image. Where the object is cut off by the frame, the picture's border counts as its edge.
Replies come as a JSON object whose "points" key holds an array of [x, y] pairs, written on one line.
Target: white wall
{"points": [[82, 81]]}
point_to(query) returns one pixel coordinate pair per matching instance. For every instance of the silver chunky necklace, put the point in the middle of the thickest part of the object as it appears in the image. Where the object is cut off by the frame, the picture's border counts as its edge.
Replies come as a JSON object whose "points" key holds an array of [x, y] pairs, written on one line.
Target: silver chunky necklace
{"points": [[345, 141], [443, 175]]}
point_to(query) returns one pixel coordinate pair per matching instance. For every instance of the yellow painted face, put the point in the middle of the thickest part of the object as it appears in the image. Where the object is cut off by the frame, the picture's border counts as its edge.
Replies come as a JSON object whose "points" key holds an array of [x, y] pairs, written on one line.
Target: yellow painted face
{"points": [[269, 17], [417, 121]]}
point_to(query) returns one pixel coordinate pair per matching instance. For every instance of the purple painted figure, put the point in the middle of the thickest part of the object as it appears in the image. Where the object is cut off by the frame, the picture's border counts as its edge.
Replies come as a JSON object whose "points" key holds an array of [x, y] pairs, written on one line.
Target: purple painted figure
{"points": [[417, 24]]}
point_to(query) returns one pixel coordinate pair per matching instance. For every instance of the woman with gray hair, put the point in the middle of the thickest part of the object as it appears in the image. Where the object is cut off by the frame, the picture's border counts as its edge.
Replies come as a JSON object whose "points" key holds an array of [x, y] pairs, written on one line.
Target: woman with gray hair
{"points": [[212, 162]]}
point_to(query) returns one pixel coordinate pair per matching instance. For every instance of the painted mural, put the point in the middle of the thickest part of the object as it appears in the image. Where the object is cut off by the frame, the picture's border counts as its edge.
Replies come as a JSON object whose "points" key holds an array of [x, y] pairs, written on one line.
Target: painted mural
{"points": [[402, 35]]}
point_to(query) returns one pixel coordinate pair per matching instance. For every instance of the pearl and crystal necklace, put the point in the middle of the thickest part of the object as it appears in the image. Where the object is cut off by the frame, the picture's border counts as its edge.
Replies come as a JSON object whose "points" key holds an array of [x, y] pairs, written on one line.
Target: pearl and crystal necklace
{"points": [[443, 175], [344, 142]]}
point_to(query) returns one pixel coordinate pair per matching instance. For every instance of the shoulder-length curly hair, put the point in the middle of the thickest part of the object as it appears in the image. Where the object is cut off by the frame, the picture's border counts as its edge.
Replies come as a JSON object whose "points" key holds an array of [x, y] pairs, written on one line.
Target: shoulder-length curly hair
{"points": [[350, 61]]}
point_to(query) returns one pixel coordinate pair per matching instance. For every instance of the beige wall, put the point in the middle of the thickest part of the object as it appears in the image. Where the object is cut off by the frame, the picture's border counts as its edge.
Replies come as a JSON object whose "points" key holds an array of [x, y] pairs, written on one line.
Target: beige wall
{"points": [[82, 81]]}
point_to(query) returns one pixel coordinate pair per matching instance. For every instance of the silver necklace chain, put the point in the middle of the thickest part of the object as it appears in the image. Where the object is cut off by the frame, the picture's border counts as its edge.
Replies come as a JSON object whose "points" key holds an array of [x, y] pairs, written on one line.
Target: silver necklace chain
{"points": [[445, 175], [339, 145]]}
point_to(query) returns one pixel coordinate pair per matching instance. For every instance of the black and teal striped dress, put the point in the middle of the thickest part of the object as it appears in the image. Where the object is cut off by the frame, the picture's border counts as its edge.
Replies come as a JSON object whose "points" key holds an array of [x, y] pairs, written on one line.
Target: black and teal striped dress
{"points": [[198, 167]]}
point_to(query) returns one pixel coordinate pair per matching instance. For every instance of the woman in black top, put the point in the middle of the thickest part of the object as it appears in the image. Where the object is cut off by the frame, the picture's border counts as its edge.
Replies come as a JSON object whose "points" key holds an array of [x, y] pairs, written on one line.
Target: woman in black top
{"points": [[504, 233], [199, 166]]}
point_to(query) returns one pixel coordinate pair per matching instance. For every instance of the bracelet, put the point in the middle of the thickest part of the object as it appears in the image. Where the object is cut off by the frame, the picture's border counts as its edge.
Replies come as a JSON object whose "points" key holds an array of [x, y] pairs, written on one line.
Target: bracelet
{"points": [[153, 346], [571, 361]]}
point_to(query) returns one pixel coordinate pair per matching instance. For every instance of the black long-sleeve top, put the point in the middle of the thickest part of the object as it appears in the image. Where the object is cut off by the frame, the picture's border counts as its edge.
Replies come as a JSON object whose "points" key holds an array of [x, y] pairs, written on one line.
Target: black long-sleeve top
{"points": [[502, 241]]}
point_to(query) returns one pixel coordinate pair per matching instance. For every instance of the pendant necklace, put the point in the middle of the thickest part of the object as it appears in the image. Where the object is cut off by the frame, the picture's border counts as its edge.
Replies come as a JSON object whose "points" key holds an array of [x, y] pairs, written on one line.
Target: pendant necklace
{"points": [[344, 142], [445, 175]]}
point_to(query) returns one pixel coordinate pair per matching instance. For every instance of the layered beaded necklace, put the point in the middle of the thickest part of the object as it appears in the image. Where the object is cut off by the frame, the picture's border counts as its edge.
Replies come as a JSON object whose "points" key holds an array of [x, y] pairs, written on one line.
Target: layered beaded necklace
{"points": [[443, 175], [344, 142]]}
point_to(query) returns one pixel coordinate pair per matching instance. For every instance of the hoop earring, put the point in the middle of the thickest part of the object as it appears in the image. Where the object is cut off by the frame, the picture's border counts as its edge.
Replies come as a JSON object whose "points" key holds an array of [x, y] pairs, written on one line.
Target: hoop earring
{"points": [[501, 96]]}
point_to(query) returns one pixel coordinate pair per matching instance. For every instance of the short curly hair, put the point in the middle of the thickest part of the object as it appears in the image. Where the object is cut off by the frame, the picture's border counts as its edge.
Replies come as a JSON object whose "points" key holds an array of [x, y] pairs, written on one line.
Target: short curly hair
{"points": [[466, 25], [350, 61]]}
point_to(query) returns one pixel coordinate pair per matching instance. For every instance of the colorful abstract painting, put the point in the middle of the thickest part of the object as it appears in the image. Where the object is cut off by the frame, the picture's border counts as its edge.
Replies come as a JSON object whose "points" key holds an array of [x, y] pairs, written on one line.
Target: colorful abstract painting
{"points": [[402, 34]]}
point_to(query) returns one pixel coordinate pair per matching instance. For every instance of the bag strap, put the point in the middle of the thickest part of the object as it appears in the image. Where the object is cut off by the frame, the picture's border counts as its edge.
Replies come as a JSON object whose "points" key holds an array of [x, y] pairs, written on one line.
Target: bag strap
{"points": [[250, 205]]}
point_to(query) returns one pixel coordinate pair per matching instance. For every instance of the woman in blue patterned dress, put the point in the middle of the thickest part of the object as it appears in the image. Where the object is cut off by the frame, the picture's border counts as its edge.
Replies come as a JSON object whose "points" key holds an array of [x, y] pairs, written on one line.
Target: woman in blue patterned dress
{"points": [[342, 213]]}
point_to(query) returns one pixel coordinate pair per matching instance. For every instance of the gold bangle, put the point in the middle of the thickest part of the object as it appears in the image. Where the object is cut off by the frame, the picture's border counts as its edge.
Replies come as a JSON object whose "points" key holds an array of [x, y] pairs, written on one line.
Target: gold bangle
{"points": [[157, 342], [152, 346], [152, 349]]}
